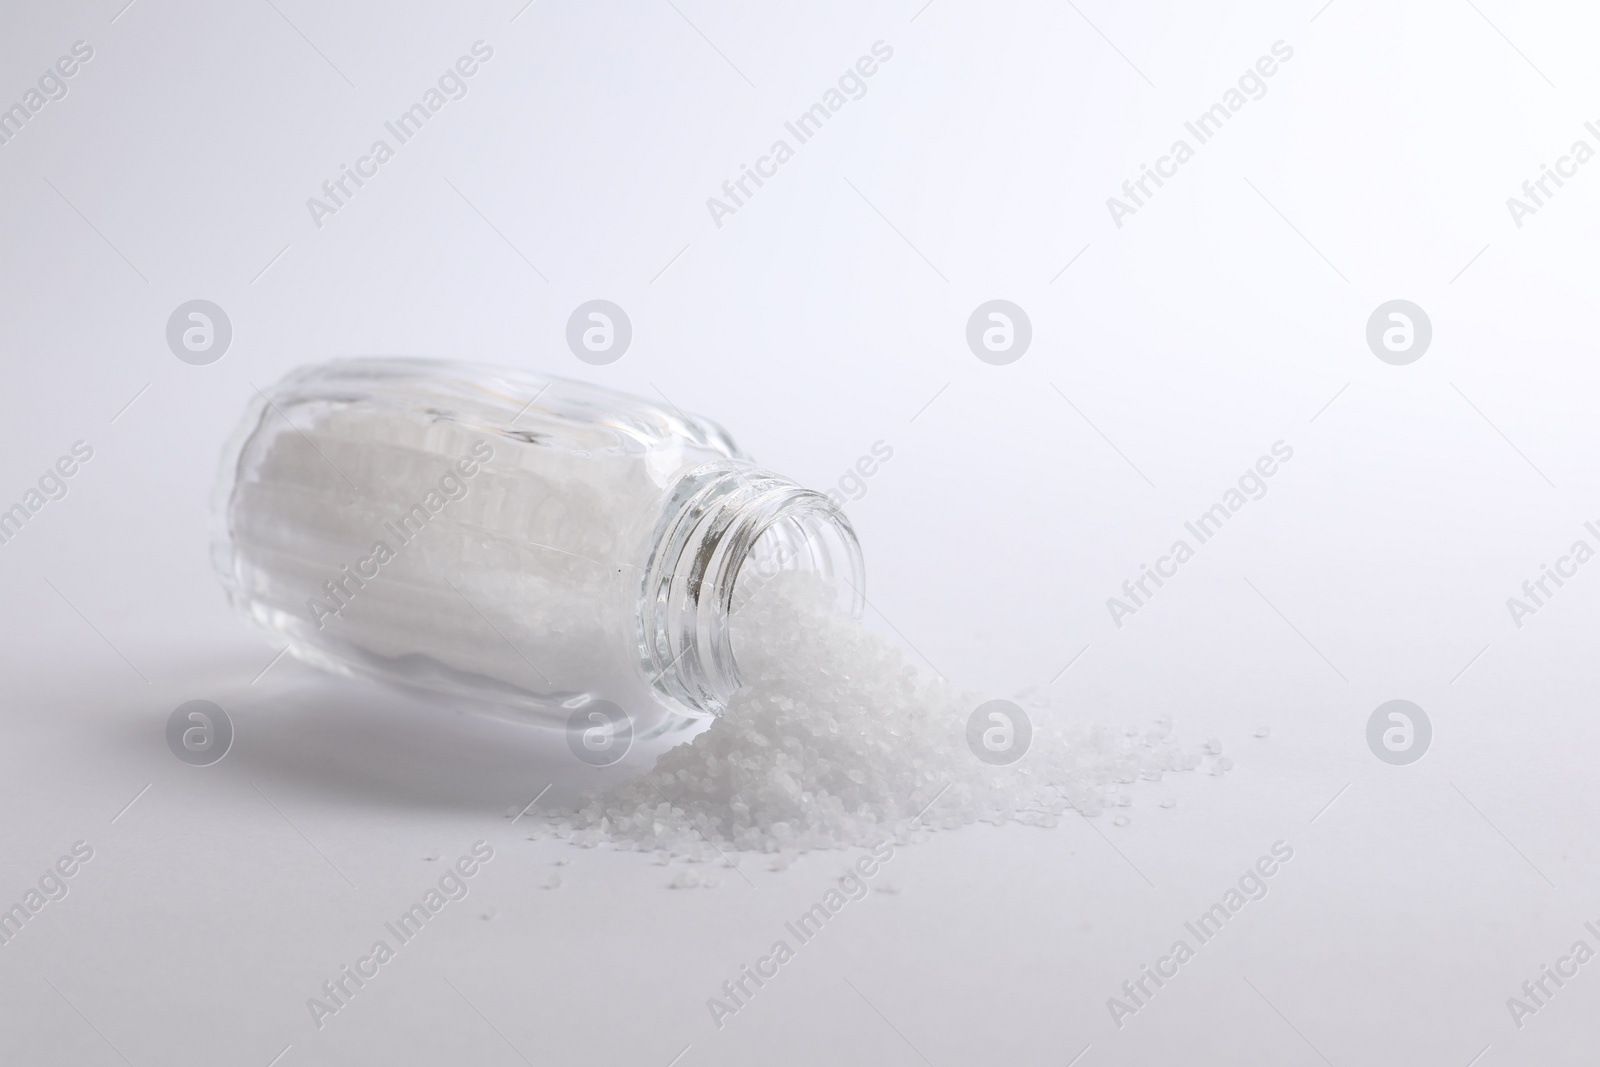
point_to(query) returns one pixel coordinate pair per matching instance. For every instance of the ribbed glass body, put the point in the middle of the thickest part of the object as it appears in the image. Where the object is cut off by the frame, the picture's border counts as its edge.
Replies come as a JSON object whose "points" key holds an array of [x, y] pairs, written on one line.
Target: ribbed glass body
{"points": [[524, 543]]}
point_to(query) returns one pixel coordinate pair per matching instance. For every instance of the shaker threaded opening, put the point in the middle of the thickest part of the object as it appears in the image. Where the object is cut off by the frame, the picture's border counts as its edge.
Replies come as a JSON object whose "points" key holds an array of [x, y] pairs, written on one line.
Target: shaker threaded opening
{"points": [[719, 520]]}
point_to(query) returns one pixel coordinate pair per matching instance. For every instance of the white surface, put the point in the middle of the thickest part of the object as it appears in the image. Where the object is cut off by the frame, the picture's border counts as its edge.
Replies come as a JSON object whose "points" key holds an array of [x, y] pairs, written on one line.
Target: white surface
{"points": [[1194, 337]]}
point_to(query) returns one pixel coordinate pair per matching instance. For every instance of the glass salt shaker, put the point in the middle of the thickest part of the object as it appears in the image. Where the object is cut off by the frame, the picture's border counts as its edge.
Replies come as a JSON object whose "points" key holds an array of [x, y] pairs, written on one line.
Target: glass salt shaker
{"points": [[525, 543]]}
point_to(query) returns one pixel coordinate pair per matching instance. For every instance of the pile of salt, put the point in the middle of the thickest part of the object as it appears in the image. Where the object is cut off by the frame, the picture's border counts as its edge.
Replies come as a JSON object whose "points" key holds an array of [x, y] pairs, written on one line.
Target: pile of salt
{"points": [[838, 739]]}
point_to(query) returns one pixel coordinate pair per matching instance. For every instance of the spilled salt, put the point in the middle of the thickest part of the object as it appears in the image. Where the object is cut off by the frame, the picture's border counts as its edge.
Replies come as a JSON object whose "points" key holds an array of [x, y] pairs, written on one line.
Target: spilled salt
{"points": [[838, 739]]}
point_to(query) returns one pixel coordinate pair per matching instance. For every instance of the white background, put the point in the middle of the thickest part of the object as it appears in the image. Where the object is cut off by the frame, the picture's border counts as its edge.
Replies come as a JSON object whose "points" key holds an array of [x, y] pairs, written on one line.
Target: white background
{"points": [[1227, 314]]}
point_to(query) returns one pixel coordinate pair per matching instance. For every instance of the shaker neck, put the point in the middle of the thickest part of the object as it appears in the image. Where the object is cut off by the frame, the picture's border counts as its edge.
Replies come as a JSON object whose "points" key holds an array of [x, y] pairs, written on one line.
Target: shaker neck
{"points": [[719, 520]]}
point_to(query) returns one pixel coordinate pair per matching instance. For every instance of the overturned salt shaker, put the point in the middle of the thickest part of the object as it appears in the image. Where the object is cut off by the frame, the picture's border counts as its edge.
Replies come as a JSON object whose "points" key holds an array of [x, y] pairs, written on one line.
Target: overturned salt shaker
{"points": [[529, 544]]}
